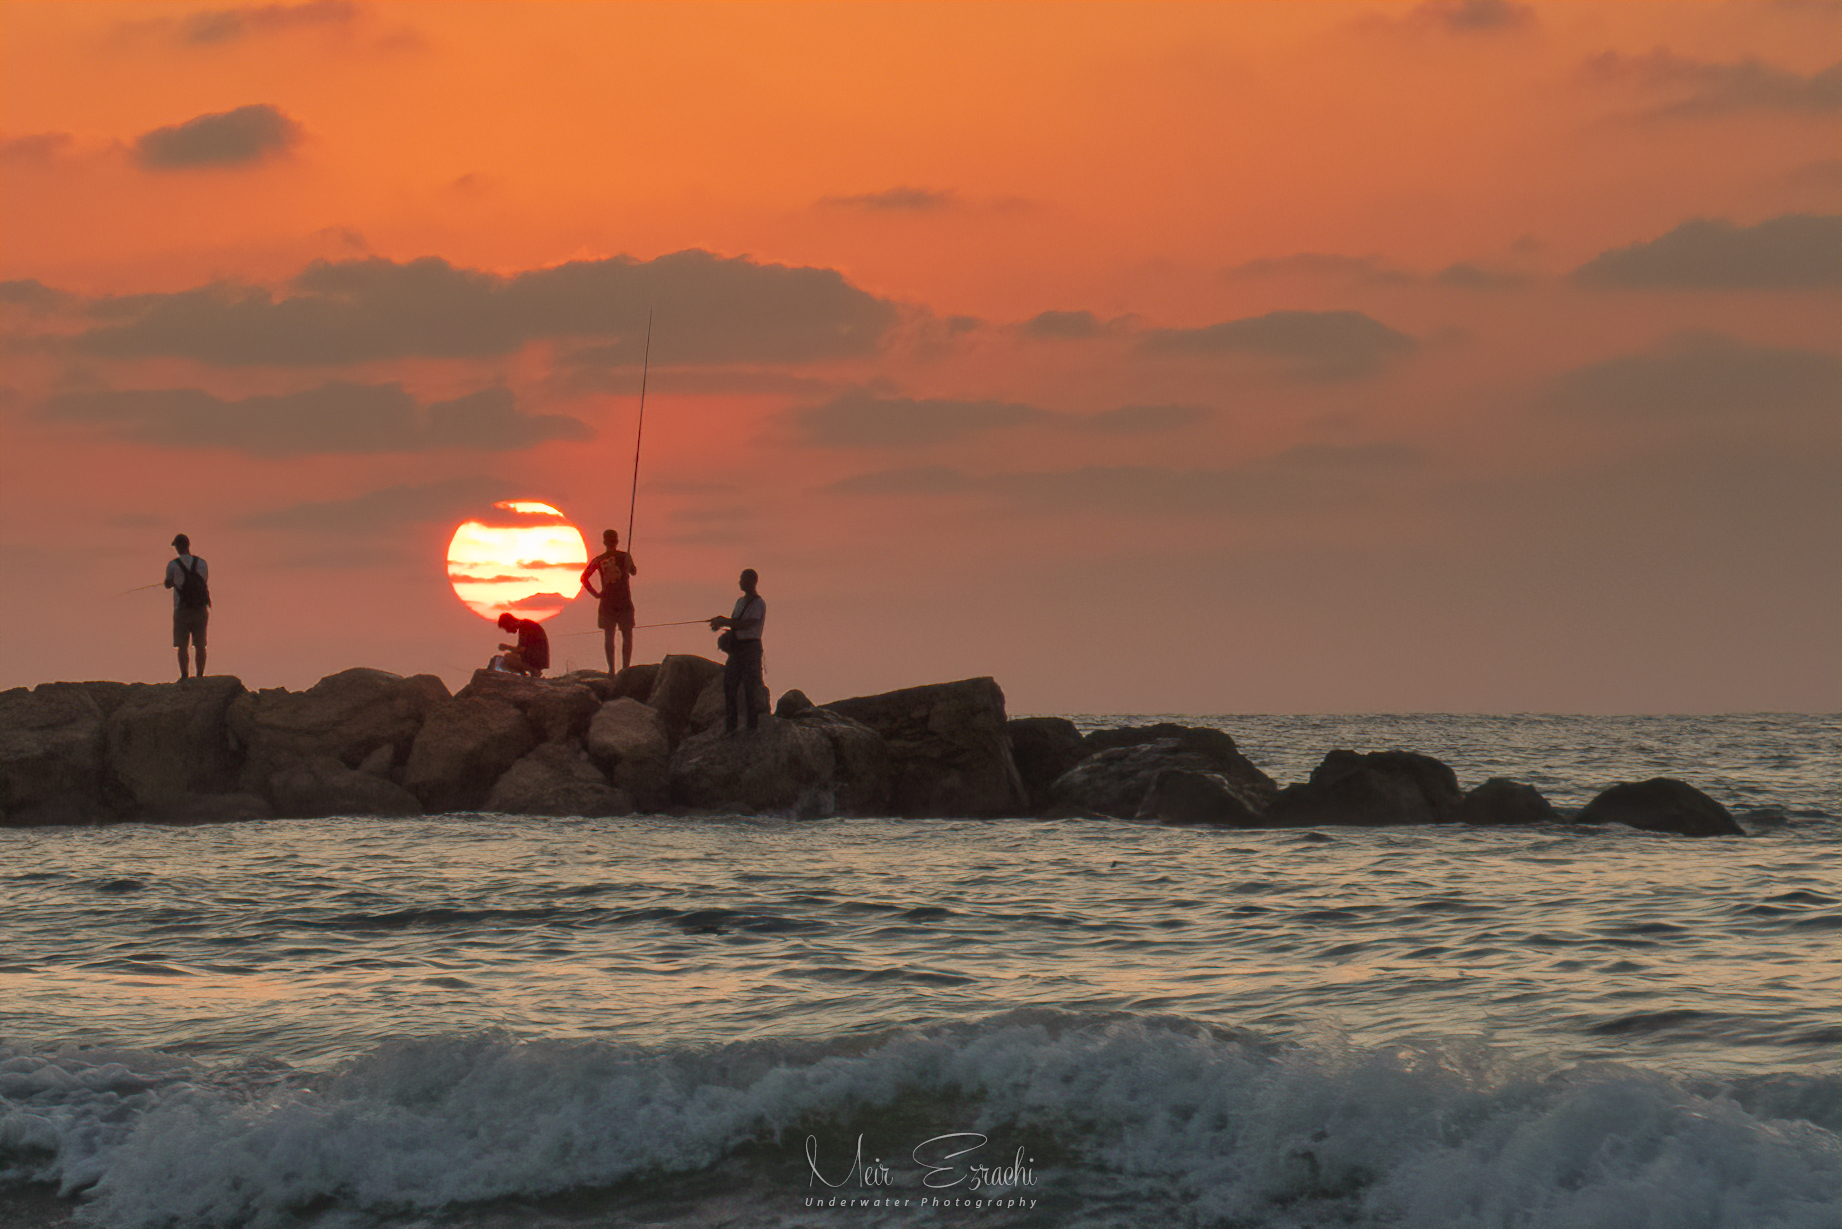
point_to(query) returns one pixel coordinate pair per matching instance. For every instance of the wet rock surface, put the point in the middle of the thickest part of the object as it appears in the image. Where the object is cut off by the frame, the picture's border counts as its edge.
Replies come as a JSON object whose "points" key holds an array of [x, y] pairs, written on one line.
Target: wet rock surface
{"points": [[947, 746], [651, 739], [1376, 789], [1661, 804], [1500, 802]]}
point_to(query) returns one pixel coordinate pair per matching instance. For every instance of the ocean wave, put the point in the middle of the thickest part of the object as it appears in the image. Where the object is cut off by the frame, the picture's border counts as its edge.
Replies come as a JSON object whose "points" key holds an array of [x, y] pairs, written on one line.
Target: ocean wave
{"points": [[1095, 1119]]}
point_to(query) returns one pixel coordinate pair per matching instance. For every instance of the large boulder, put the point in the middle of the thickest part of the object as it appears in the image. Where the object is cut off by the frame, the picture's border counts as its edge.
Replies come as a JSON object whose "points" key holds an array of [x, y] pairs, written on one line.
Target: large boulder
{"points": [[1376, 789], [1116, 780], [557, 779], [51, 756], [680, 682], [1216, 747], [863, 772], [784, 767], [711, 709], [1661, 804], [1185, 796], [166, 742], [461, 750], [627, 742], [321, 785], [559, 709], [634, 682], [1043, 748], [1501, 802], [947, 747], [348, 716], [596, 681]]}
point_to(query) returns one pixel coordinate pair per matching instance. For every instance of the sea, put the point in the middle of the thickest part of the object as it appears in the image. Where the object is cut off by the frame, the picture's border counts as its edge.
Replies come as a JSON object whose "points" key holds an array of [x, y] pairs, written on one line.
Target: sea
{"points": [[494, 1021]]}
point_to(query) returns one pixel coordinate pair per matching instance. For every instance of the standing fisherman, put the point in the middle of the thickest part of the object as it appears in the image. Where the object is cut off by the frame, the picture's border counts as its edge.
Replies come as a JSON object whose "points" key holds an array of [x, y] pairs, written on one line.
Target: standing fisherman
{"points": [[185, 576], [616, 569], [742, 681]]}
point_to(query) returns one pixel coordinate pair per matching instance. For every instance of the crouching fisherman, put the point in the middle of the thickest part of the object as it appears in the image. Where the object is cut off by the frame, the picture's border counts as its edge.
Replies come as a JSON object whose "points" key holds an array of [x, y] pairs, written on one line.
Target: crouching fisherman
{"points": [[742, 679], [531, 655]]}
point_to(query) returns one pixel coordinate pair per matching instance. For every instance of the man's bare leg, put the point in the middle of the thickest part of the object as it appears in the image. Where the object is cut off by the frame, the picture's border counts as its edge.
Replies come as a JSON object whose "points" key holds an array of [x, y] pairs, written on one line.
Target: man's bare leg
{"points": [[184, 665], [201, 661], [608, 643], [626, 649]]}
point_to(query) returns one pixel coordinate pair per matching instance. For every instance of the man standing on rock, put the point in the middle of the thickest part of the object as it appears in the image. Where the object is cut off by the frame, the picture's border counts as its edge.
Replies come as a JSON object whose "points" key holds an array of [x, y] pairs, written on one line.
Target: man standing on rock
{"points": [[185, 576], [742, 644], [616, 568]]}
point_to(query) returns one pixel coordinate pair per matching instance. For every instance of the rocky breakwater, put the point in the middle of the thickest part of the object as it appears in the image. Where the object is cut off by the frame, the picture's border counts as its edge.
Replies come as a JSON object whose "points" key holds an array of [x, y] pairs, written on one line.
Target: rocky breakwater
{"points": [[368, 742], [1175, 774]]}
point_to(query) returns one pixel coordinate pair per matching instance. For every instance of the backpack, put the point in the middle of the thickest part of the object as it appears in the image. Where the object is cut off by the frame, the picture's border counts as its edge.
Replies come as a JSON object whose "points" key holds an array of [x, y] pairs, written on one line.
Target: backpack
{"points": [[193, 592]]}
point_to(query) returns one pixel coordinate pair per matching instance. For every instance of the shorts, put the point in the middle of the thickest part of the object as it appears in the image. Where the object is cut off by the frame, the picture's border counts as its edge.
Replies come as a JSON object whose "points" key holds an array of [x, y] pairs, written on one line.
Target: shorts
{"points": [[189, 623], [615, 616]]}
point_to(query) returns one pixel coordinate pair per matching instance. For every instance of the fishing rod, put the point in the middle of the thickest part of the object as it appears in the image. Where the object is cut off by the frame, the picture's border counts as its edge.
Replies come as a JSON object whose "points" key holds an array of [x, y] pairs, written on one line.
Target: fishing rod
{"points": [[640, 431], [125, 592]]}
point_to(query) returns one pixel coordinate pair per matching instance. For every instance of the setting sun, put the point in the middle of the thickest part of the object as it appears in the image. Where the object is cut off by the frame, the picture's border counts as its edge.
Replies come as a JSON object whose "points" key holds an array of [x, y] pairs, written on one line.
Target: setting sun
{"points": [[524, 559]]}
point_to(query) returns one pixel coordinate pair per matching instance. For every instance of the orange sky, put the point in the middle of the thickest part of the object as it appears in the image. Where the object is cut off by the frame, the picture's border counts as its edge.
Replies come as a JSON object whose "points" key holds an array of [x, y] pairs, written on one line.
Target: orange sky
{"points": [[1151, 358]]}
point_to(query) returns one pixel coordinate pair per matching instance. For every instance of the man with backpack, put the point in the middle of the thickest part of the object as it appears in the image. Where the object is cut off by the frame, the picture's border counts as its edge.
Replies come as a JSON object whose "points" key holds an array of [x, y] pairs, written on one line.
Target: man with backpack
{"points": [[185, 576]]}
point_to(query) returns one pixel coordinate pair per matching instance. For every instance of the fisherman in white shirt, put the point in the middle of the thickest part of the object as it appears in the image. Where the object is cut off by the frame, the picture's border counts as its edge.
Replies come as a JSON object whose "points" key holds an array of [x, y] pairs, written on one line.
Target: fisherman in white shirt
{"points": [[742, 643]]}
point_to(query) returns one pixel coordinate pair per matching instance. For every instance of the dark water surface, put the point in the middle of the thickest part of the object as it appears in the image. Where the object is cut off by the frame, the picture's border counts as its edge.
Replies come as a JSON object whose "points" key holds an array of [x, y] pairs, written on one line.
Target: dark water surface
{"points": [[500, 1020]]}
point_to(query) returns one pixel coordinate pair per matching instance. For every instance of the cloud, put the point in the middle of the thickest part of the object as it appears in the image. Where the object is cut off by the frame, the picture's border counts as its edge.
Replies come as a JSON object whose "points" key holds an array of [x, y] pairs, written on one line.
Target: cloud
{"points": [[1062, 326], [215, 27], [1368, 269], [336, 417], [33, 295], [1466, 276], [534, 601], [1700, 376], [707, 310], [1348, 458], [864, 419], [1472, 16], [393, 507], [918, 480], [472, 579], [689, 381], [1372, 271], [895, 200], [1822, 173], [241, 137], [1708, 88], [228, 25], [37, 147], [1795, 250], [1334, 345], [1141, 419], [1309, 475]]}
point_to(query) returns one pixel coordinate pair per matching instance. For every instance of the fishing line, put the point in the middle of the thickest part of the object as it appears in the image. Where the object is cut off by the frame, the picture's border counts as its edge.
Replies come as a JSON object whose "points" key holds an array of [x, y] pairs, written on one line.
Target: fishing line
{"points": [[637, 627]]}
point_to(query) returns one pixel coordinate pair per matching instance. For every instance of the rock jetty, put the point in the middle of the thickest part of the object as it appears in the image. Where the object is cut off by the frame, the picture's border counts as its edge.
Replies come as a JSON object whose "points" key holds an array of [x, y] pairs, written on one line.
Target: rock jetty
{"points": [[371, 743]]}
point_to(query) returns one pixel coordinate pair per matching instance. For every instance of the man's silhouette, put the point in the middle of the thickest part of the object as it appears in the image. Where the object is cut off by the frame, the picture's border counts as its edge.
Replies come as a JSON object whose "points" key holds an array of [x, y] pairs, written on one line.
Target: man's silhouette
{"points": [[742, 672], [185, 576], [615, 569], [531, 655]]}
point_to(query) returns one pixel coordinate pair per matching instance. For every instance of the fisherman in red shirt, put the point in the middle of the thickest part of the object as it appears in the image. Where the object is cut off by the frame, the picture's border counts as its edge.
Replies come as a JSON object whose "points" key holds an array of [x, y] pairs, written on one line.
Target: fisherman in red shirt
{"points": [[531, 655], [616, 569]]}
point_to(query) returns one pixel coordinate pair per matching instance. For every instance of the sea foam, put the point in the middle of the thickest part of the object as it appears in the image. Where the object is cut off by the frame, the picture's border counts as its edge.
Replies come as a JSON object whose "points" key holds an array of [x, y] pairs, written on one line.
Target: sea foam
{"points": [[1160, 1120]]}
